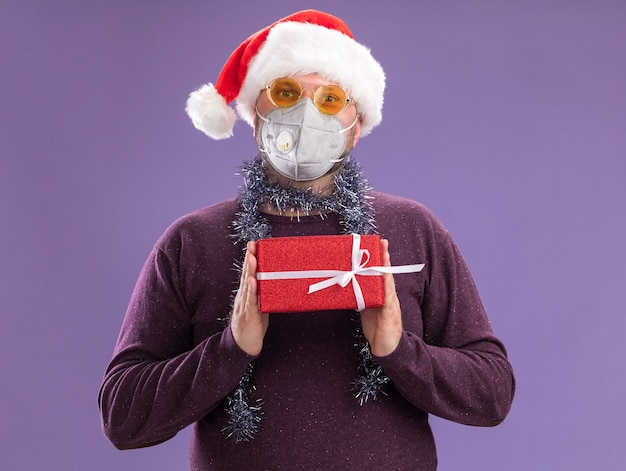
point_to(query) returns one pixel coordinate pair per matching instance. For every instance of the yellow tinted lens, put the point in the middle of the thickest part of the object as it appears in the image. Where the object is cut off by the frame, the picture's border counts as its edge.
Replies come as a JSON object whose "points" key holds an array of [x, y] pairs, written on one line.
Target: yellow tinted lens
{"points": [[330, 99], [284, 92]]}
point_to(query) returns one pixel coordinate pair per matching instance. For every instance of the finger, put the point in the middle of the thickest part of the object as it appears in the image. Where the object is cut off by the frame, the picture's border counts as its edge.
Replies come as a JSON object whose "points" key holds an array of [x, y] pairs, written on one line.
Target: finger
{"points": [[384, 246], [389, 282], [251, 260], [252, 301], [244, 271], [251, 282], [242, 291]]}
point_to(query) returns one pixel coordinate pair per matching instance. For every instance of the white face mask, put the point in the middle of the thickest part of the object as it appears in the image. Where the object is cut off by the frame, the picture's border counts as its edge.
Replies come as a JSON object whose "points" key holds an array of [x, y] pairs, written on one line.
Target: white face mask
{"points": [[301, 142]]}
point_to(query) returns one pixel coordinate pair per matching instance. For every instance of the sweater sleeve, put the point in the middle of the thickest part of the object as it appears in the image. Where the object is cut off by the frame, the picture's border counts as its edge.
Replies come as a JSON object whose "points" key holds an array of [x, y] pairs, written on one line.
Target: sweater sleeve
{"points": [[160, 379], [449, 362], [473, 385]]}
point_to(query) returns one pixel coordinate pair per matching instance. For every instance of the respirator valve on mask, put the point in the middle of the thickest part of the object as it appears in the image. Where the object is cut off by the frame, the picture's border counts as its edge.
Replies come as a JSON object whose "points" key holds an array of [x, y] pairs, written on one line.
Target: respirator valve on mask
{"points": [[284, 141]]}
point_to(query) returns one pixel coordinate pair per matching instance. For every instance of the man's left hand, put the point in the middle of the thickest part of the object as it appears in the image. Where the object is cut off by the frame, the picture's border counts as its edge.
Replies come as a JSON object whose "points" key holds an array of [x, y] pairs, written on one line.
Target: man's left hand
{"points": [[382, 327]]}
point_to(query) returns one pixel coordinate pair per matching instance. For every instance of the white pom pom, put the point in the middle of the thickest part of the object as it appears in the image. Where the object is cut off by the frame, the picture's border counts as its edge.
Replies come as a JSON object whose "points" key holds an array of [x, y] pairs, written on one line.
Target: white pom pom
{"points": [[209, 112]]}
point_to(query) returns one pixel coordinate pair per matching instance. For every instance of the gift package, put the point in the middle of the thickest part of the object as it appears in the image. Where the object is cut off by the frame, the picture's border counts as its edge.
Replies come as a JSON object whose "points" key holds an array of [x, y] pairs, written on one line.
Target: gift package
{"points": [[317, 273]]}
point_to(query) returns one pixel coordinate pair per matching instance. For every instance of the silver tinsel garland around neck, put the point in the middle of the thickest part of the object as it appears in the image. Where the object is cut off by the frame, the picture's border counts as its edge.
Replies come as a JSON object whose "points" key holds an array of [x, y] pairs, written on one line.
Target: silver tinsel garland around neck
{"points": [[350, 199]]}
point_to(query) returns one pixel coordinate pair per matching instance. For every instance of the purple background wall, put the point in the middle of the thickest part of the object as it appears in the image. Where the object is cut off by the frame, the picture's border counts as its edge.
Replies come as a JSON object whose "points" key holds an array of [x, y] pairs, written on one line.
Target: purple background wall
{"points": [[507, 118]]}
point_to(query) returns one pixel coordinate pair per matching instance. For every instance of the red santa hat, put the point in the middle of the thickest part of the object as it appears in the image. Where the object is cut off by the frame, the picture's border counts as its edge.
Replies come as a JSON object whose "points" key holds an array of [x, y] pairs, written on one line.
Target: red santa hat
{"points": [[307, 42]]}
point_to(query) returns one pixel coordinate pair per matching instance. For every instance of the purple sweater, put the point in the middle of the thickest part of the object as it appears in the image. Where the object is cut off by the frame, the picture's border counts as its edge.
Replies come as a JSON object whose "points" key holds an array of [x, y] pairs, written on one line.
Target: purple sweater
{"points": [[175, 361]]}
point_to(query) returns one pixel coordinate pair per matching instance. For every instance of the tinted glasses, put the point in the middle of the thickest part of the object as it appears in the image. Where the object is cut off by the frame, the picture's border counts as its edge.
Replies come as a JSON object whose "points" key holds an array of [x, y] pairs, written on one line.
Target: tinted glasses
{"points": [[286, 92]]}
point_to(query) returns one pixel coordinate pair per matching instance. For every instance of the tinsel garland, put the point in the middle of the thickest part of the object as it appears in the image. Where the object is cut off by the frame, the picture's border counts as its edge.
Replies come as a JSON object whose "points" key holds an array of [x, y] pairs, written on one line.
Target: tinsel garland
{"points": [[350, 199], [244, 418]]}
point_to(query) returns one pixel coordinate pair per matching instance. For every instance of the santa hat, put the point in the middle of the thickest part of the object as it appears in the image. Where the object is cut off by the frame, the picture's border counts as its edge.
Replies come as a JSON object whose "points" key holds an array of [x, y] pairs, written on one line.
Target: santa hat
{"points": [[307, 42]]}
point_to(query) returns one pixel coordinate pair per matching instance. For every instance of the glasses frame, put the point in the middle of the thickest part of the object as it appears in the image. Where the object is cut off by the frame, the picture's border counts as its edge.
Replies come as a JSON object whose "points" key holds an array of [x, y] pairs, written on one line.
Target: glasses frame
{"points": [[302, 90]]}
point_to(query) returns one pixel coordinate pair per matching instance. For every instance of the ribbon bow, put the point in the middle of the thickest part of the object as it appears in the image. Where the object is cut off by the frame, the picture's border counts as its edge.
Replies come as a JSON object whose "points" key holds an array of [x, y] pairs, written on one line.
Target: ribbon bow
{"points": [[360, 257]]}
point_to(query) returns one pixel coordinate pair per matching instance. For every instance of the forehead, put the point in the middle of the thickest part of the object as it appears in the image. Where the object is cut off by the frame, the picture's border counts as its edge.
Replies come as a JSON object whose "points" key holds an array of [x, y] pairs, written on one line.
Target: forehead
{"points": [[311, 79]]}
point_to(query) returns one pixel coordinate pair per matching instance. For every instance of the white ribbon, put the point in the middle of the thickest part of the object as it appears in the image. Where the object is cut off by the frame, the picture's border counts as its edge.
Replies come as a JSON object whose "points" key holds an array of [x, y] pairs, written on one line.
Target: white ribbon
{"points": [[360, 257]]}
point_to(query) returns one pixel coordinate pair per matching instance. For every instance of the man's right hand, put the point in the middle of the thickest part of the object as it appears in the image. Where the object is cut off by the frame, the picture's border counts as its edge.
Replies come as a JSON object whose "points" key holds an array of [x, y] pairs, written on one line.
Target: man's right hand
{"points": [[247, 323]]}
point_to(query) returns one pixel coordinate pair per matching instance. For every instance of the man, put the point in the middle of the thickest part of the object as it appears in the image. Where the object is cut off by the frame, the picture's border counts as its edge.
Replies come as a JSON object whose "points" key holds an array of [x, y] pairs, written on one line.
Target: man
{"points": [[331, 389]]}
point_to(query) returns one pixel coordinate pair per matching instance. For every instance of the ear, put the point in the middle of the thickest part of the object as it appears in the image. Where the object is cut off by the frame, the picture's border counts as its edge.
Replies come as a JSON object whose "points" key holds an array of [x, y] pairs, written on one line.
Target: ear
{"points": [[357, 131]]}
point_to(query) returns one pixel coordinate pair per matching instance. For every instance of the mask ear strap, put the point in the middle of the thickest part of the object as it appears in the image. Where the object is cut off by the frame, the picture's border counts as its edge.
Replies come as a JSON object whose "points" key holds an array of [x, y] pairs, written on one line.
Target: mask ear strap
{"points": [[349, 127], [263, 118], [341, 132]]}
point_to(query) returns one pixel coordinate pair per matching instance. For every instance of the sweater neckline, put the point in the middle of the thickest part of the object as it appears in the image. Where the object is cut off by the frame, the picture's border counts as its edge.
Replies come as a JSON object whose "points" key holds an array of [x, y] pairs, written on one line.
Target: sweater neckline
{"points": [[276, 219]]}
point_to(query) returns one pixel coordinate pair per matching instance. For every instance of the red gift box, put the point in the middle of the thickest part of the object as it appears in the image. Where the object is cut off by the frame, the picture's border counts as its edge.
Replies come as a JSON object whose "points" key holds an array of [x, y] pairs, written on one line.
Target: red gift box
{"points": [[287, 267]]}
